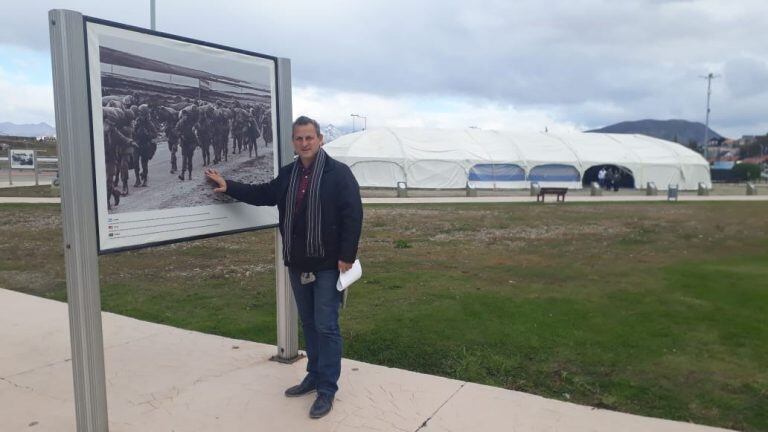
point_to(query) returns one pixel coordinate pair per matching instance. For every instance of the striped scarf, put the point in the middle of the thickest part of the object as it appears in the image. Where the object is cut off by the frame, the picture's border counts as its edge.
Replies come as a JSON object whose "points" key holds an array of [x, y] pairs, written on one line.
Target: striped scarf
{"points": [[314, 245]]}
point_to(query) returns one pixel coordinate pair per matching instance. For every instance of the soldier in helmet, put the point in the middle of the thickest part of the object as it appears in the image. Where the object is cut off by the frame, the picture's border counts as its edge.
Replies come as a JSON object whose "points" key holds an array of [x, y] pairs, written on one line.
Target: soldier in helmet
{"points": [[119, 135], [253, 134], [265, 124], [113, 141], [221, 132], [168, 117], [187, 128], [144, 133], [239, 128], [206, 132]]}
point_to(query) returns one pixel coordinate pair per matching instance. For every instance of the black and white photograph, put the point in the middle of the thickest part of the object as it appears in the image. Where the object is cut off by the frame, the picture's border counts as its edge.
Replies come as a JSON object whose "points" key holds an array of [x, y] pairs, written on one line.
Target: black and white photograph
{"points": [[22, 159], [164, 110], [168, 117]]}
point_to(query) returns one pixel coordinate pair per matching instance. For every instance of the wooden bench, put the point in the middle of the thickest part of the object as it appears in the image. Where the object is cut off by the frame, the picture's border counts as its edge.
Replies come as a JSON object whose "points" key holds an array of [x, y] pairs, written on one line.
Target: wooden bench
{"points": [[560, 192]]}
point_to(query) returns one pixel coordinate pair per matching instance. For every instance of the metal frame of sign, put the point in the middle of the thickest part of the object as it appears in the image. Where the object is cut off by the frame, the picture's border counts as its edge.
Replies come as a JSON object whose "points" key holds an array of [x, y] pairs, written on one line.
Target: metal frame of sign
{"points": [[79, 215]]}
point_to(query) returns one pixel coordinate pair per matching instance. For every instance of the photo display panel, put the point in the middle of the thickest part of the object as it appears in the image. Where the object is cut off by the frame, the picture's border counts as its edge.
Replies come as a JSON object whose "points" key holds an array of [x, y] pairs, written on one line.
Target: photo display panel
{"points": [[162, 110], [22, 159]]}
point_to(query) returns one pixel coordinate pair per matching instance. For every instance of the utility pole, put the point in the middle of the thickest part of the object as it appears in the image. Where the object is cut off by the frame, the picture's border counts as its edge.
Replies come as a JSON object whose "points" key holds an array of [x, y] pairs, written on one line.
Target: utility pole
{"points": [[365, 121], [152, 14], [709, 78]]}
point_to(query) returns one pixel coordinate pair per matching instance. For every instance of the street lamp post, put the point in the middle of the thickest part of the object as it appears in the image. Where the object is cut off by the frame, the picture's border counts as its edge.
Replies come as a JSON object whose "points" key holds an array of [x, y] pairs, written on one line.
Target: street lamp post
{"points": [[152, 14], [709, 78], [365, 121]]}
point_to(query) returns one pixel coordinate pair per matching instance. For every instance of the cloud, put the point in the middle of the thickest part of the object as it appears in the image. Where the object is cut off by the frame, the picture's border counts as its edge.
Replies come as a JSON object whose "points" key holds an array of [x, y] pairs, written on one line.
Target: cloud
{"points": [[591, 62], [25, 102], [746, 77], [440, 112]]}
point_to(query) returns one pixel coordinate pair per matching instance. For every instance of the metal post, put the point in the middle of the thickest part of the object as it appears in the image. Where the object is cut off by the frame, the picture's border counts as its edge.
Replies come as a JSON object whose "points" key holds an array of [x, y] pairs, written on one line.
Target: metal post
{"points": [[152, 14], [34, 164], [287, 314], [10, 162], [709, 78], [68, 59], [365, 121], [706, 123]]}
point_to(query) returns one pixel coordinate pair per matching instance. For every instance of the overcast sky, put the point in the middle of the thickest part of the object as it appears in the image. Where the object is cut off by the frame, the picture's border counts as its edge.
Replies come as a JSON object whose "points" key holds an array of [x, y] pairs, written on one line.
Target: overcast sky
{"points": [[503, 64]]}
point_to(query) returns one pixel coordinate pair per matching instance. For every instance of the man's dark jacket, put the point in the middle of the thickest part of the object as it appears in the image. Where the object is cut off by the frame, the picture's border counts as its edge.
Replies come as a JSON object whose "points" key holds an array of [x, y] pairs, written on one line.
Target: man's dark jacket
{"points": [[342, 213]]}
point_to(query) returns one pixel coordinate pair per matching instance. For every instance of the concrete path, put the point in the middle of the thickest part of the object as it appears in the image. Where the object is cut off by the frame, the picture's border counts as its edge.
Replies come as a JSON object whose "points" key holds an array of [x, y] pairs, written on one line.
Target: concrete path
{"points": [[501, 199], [22, 200], [551, 200], [161, 378], [43, 180]]}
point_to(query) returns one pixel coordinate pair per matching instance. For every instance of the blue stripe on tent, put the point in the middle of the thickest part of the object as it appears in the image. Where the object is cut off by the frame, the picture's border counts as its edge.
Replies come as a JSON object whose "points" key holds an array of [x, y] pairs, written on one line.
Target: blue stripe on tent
{"points": [[554, 172], [496, 172]]}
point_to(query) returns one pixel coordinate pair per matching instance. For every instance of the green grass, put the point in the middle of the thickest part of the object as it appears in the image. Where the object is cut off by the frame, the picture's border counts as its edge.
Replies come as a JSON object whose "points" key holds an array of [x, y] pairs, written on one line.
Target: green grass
{"points": [[45, 191], [650, 308]]}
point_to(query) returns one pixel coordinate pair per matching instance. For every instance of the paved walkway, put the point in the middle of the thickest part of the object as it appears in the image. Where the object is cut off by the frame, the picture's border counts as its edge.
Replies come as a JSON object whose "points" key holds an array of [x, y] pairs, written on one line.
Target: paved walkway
{"points": [[499, 199], [22, 200], [161, 378], [42, 181], [551, 200]]}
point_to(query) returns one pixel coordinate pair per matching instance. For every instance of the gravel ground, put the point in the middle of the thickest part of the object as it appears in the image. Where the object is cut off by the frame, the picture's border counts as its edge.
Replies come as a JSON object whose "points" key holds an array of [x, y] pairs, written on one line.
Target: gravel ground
{"points": [[165, 190]]}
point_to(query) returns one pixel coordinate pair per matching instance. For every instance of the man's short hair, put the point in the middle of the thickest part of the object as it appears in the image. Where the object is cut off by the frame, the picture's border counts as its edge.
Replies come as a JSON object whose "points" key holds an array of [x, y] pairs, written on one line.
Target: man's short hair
{"points": [[303, 121]]}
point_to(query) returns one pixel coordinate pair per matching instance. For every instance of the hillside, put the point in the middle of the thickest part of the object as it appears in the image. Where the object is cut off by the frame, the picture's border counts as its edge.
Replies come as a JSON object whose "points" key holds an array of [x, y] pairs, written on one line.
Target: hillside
{"points": [[681, 131], [27, 130]]}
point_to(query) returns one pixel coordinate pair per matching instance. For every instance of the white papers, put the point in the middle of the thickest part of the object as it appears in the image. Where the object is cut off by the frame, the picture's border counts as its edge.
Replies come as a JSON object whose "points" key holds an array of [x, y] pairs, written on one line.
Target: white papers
{"points": [[350, 276]]}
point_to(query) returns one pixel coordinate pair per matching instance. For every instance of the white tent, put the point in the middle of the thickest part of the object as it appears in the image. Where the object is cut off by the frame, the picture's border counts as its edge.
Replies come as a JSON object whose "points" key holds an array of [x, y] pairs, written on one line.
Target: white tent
{"points": [[451, 159]]}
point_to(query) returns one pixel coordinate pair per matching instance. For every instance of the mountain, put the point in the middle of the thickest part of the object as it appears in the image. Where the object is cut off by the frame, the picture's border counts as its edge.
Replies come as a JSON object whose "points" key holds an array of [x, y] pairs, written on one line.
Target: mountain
{"points": [[681, 131], [331, 132], [27, 130]]}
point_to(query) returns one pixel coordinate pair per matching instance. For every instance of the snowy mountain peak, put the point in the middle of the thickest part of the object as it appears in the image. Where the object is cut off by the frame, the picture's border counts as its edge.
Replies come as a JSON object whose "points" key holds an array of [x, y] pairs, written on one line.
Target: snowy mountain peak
{"points": [[331, 132], [27, 130]]}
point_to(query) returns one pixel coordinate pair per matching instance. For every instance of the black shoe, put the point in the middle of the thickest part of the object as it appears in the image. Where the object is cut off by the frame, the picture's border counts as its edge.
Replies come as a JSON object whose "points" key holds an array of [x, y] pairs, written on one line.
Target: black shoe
{"points": [[300, 390], [322, 406]]}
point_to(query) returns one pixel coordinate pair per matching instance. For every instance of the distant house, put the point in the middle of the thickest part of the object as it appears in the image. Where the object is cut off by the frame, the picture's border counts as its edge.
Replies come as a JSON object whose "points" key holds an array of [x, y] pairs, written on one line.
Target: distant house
{"points": [[757, 160], [747, 139]]}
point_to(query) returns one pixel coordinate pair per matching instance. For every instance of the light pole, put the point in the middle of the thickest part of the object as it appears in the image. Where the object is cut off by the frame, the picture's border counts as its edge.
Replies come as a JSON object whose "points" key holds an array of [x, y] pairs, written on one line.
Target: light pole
{"points": [[152, 14], [365, 121], [709, 78]]}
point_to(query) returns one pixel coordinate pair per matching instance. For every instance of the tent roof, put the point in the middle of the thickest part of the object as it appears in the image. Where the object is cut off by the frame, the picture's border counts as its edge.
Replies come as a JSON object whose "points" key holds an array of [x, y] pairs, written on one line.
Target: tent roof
{"points": [[524, 148]]}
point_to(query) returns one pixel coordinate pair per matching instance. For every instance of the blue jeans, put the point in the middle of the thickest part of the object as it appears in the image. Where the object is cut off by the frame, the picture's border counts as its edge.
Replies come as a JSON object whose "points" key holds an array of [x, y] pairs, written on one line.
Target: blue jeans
{"points": [[318, 303]]}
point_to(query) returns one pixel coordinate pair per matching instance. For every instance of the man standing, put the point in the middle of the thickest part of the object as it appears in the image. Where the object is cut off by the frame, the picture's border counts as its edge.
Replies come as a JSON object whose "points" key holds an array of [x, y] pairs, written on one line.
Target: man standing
{"points": [[321, 215], [601, 177]]}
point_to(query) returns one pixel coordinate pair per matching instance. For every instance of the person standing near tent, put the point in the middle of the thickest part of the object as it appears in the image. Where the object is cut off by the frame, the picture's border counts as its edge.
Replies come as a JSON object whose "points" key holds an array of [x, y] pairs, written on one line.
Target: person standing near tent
{"points": [[616, 179], [321, 216], [601, 177]]}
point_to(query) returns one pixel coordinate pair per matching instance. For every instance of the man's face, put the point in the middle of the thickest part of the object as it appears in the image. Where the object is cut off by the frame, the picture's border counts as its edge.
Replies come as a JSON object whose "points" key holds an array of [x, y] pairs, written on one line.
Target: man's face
{"points": [[306, 143]]}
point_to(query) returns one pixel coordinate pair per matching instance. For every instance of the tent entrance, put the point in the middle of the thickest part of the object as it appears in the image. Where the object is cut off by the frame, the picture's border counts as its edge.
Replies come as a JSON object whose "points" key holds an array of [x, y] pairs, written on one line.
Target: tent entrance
{"points": [[591, 175]]}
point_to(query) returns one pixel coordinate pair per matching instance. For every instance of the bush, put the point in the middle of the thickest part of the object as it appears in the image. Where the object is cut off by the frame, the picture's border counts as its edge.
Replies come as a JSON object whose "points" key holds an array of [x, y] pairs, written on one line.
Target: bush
{"points": [[746, 171], [402, 244]]}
